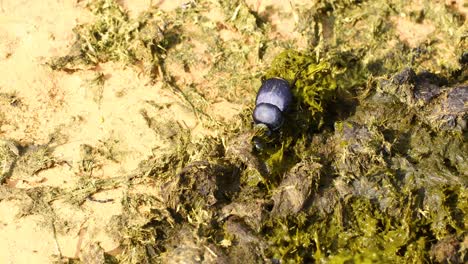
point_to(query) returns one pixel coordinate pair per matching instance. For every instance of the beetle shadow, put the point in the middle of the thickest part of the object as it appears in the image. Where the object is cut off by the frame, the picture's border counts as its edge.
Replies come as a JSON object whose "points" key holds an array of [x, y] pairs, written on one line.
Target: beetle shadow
{"points": [[343, 107]]}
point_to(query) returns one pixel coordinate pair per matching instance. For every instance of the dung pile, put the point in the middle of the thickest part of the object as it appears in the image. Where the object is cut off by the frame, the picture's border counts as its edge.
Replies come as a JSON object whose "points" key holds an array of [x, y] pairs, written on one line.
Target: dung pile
{"points": [[370, 166], [386, 184]]}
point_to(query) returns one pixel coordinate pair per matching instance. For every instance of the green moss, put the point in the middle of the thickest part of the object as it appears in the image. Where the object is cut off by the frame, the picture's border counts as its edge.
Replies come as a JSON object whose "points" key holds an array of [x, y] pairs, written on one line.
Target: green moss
{"points": [[312, 81], [289, 239]]}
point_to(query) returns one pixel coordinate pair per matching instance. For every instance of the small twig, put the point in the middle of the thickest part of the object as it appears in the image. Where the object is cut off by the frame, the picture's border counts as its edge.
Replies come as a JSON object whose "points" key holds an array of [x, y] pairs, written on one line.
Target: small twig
{"points": [[57, 246], [91, 198]]}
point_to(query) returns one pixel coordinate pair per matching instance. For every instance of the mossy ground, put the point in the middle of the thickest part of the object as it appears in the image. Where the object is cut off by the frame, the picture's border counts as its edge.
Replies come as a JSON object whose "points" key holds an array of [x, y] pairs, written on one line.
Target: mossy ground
{"points": [[370, 166]]}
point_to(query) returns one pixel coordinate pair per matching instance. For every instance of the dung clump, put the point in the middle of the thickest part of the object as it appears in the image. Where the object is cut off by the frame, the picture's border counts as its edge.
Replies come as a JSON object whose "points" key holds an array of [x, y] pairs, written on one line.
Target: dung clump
{"points": [[298, 185], [449, 250], [438, 104], [202, 184], [243, 241], [358, 144], [366, 189]]}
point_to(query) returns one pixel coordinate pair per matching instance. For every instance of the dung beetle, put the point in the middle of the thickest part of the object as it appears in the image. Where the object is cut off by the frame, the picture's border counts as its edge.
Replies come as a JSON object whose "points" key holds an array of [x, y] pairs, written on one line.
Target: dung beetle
{"points": [[273, 99]]}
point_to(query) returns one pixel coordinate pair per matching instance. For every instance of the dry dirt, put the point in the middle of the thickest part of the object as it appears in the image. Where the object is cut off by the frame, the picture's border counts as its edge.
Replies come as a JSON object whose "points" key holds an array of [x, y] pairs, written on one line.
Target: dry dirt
{"points": [[31, 32]]}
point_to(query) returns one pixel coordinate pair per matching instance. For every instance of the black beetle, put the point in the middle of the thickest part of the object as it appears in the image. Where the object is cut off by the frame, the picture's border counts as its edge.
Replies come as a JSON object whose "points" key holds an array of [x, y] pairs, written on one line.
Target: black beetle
{"points": [[273, 99]]}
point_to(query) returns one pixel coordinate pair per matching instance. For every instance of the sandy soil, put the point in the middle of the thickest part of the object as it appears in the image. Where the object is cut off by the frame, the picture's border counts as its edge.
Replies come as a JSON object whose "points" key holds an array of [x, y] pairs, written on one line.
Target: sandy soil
{"points": [[31, 32], [47, 102]]}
